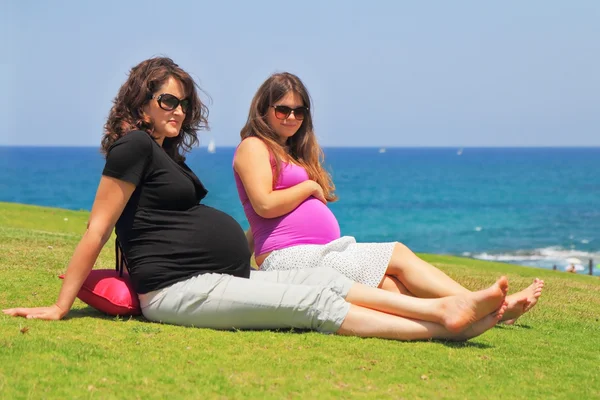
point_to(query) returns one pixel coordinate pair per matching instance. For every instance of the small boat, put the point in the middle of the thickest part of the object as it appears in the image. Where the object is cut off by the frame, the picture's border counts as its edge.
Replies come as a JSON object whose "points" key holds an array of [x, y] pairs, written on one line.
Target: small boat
{"points": [[212, 147], [459, 152], [382, 150]]}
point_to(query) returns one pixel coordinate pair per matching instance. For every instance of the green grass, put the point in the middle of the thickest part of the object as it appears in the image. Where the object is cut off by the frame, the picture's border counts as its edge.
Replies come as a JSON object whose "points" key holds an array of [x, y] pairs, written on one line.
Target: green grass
{"points": [[553, 352]]}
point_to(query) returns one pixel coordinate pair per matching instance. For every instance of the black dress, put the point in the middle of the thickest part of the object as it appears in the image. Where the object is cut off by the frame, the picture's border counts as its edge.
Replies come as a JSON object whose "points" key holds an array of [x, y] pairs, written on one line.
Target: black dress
{"points": [[166, 234]]}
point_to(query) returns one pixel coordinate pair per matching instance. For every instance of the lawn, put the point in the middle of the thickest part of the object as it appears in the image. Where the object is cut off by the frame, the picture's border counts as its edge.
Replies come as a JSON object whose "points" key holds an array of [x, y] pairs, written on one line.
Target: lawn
{"points": [[552, 352]]}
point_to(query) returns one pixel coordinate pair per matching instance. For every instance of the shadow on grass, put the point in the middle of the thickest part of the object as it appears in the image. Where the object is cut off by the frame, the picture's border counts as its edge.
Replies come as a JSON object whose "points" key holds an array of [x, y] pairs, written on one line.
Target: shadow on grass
{"points": [[90, 312], [463, 345], [516, 325]]}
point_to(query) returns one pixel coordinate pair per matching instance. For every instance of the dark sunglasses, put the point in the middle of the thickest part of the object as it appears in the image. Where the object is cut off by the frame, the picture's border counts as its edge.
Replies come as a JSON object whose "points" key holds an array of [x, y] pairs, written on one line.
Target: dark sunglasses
{"points": [[284, 112], [168, 102]]}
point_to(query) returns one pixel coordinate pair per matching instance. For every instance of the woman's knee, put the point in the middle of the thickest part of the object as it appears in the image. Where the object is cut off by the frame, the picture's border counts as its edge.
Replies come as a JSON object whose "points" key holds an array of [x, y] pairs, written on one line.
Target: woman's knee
{"points": [[392, 284], [401, 248], [399, 257]]}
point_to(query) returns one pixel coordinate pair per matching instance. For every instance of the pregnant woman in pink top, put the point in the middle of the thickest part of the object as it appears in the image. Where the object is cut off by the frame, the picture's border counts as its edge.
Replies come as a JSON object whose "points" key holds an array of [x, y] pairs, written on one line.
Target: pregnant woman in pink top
{"points": [[284, 190]]}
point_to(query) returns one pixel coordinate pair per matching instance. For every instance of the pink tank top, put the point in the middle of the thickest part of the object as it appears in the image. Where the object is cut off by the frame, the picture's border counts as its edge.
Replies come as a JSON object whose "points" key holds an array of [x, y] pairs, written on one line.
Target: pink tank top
{"points": [[312, 222]]}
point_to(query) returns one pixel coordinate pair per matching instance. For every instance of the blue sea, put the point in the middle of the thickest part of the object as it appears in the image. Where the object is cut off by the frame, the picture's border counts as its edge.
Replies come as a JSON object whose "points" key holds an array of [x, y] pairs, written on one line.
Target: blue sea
{"points": [[531, 206]]}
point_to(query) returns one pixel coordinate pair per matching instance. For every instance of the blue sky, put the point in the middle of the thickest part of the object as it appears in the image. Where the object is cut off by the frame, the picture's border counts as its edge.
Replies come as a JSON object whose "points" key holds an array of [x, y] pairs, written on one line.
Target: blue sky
{"points": [[381, 73]]}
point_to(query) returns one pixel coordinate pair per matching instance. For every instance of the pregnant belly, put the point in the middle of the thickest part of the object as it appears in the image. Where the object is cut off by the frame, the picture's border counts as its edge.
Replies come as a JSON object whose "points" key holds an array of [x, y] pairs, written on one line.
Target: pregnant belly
{"points": [[312, 222]]}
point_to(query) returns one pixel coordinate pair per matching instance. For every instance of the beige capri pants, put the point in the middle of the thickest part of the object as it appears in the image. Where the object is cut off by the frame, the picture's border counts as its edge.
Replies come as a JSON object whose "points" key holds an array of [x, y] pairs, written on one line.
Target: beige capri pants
{"points": [[302, 298]]}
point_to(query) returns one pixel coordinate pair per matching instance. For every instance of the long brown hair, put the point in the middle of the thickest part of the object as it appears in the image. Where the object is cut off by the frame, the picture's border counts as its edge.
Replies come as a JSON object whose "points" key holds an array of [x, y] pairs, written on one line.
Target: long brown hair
{"points": [[303, 146], [126, 113]]}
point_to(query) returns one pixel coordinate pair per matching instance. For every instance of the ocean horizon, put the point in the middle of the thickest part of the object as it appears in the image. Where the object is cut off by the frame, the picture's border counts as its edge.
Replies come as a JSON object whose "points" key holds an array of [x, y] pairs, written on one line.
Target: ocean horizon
{"points": [[533, 206]]}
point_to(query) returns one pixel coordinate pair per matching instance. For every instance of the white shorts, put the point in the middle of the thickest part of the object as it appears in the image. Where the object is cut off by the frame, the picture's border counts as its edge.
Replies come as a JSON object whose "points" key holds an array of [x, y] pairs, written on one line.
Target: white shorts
{"points": [[364, 263]]}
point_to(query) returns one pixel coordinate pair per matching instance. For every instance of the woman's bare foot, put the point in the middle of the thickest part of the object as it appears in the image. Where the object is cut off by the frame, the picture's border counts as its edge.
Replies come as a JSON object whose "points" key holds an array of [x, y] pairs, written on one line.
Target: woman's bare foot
{"points": [[460, 311], [521, 302], [477, 328]]}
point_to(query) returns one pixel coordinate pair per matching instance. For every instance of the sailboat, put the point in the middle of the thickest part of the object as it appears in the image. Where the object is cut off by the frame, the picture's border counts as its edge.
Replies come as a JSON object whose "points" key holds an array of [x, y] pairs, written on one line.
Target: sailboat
{"points": [[459, 152], [212, 147]]}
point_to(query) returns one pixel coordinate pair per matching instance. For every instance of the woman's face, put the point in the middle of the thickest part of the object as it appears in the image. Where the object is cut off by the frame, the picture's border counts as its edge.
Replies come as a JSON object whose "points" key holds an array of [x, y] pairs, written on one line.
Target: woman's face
{"points": [[285, 128], [167, 118]]}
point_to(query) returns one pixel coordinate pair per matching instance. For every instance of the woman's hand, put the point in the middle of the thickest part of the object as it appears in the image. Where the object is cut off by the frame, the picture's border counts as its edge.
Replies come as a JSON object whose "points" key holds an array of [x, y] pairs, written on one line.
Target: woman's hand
{"points": [[318, 192], [51, 313]]}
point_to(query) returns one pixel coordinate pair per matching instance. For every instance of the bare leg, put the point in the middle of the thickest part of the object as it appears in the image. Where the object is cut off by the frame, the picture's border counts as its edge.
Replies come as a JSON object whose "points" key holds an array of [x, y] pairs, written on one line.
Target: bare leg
{"points": [[455, 313], [419, 277], [424, 280], [365, 322]]}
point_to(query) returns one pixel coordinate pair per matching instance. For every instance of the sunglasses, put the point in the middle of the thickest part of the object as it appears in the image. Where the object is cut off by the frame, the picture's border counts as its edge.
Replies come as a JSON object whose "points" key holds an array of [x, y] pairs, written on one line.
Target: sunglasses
{"points": [[168, 102], [284, 112]]}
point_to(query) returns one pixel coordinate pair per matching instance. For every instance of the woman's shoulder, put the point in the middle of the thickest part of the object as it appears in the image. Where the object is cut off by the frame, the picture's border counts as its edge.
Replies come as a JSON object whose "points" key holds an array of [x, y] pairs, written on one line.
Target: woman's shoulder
{"points": [[139, 140], [252, 143], [250, 147], [129, 156], [135, 137]]}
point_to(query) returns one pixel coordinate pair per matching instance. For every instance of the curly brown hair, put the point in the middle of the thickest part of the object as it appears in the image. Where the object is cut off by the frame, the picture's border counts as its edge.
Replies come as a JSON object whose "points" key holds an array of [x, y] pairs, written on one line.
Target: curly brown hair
{"points": [[303, 147], [144, 80]]}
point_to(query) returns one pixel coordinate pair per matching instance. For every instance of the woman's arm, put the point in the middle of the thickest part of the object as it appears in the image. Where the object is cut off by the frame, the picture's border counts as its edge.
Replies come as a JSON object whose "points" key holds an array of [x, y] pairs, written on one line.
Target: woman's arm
{"points": [[252, 163], [111, 198]]}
